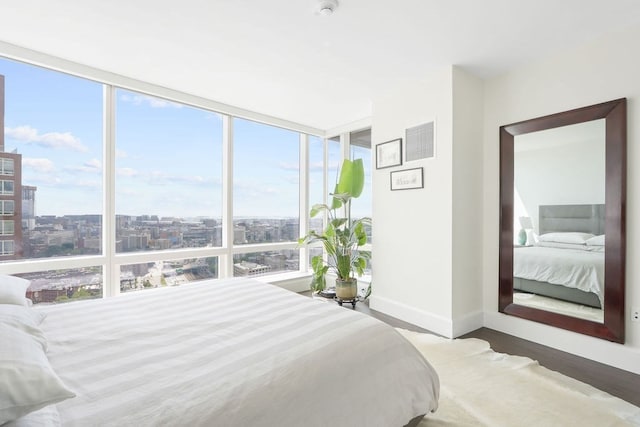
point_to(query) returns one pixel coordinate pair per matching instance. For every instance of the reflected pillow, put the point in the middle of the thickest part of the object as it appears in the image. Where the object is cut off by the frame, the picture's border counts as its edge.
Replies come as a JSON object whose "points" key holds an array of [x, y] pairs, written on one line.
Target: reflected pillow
{"points": [[580, 247], [596, 241], [573, 237], [13, 289]]}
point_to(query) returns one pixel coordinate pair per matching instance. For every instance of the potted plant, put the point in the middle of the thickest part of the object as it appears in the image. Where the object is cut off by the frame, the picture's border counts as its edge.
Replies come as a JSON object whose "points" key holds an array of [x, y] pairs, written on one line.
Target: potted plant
{"points": [[342, 236]]}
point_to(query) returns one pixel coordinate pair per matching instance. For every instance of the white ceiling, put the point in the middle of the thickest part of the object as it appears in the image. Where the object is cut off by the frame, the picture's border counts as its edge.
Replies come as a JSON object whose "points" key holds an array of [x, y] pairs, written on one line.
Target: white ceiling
{"points": [[283, 59]]}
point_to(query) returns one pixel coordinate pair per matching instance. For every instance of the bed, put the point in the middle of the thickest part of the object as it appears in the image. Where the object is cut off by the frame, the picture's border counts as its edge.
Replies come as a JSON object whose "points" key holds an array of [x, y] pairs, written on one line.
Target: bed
{"points": [[234, 352], [567, 261]]}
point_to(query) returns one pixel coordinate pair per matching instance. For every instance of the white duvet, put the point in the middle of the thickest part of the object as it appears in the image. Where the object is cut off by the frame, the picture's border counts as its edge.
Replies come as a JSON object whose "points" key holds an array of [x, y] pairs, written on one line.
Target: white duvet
{"points": [[573, 268], [233, 353]]}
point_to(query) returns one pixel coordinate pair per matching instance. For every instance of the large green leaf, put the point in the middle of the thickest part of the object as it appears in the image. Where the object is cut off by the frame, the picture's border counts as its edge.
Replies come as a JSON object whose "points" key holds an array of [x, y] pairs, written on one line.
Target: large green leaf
{"points": [[317, 208], [351, 178], [336, 202]]}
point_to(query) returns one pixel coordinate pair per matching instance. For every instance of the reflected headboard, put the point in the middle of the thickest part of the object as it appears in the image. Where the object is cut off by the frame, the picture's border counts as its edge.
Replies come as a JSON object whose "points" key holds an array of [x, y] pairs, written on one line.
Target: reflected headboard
{"points": [[582, 218]]}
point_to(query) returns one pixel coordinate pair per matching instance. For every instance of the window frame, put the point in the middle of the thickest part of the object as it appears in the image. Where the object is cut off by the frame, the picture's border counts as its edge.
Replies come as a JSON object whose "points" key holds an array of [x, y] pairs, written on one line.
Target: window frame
{"points": [[3, 208], [3, 191], [7, 171], [109, 260], [5, 229], [4, 251]]}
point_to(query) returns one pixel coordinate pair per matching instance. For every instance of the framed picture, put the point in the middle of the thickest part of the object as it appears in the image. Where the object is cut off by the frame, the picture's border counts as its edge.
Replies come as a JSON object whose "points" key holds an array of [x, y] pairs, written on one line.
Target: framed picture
{"points": [[389, 154], [407, 179]]}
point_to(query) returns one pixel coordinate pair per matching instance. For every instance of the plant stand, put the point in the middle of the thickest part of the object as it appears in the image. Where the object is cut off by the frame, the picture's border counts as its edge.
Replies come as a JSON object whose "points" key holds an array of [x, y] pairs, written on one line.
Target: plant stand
{"points": [[351, 301]]}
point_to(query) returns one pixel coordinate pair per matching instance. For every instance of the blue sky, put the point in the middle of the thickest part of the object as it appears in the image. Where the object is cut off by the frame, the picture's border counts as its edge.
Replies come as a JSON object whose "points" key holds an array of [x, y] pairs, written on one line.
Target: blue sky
{"points": [[168, 156]]}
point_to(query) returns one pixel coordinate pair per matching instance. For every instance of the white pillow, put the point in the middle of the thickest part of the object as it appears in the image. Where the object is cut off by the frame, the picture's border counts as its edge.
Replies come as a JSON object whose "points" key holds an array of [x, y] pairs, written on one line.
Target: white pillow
{"points": [[580, 247], [24, 318], [45, 417], [596, 241], [568, 237], [13, 289], [27, 380]]}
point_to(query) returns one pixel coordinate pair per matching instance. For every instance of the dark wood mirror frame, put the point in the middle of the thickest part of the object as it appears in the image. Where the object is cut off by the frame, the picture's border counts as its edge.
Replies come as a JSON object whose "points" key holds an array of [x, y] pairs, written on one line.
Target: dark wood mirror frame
{"points": [[615, 115]]}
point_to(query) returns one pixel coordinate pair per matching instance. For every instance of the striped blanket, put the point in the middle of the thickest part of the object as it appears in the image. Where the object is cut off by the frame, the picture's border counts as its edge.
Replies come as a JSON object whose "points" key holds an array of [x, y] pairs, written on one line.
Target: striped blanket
{"points": [[232, 352]]}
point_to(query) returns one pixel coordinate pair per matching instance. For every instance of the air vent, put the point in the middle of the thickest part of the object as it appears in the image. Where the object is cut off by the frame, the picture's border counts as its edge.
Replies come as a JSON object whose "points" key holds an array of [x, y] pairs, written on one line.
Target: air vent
{"points": [[419, 142]]}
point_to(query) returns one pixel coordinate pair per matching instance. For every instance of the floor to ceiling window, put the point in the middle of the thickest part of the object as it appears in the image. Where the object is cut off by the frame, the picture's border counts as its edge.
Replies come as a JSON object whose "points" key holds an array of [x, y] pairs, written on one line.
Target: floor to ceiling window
{"points": [[168, 188], [119, 191], [168, 174], [266, 196], [53, 129]]}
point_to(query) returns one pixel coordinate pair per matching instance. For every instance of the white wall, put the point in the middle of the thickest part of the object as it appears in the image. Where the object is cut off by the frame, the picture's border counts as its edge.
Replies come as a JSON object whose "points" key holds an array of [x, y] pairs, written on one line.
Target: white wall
{"points": [[412, 228], [426, 241], [431, 245], [467, 201], [561, 175], [603, 70]]}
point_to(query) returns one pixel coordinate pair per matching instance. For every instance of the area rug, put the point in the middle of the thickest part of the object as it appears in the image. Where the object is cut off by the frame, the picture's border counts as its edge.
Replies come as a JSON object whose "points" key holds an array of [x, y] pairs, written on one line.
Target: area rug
{"points": [[479, 387], [559, 306]]}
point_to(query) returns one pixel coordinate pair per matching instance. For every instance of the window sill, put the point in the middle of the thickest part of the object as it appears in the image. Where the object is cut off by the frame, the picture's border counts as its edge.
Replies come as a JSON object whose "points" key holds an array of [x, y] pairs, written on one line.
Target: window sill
{"points": [[294, 281]]}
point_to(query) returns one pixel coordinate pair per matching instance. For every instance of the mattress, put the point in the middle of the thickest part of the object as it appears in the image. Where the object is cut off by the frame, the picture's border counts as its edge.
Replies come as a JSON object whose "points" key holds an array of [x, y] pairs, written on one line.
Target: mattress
{"points": [[573, 268], [559, 292], [233, 352]]}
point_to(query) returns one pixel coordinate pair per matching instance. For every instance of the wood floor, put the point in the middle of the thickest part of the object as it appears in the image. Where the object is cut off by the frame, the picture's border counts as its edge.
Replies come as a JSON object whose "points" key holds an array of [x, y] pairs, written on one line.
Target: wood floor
{"points": [[614, 381]]}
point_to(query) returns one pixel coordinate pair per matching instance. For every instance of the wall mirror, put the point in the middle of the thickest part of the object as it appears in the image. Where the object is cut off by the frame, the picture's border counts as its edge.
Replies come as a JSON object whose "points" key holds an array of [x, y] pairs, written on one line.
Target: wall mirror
{"points": [[562, 219]]}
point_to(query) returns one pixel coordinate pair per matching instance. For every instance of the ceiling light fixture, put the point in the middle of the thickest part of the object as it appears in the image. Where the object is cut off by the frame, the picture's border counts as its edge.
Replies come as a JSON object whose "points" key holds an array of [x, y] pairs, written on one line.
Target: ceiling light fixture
{"points": [[327, 7]]}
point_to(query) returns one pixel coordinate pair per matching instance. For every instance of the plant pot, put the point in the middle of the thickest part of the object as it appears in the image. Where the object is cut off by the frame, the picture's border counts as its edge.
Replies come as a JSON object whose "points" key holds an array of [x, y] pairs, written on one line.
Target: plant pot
{"points": [[346, 289]]}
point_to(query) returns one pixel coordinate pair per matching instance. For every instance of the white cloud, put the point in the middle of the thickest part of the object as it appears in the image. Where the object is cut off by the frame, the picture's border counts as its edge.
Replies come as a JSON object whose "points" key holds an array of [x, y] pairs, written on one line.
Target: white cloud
{"points": [[160, 177], [316, 166], [44, 180], [128, 191], [289, 166], [127, 172], [292, 179], [90, 166], [121, 154], [152, 101], [39, 165], [56, 140], [89, 184], [94, 164], [190, 179], [254, 189]]}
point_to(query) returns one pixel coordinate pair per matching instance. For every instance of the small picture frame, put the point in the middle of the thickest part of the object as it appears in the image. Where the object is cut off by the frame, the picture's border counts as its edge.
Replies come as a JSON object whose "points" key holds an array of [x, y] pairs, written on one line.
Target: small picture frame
{"points": [[407, 179], [389, 154]]}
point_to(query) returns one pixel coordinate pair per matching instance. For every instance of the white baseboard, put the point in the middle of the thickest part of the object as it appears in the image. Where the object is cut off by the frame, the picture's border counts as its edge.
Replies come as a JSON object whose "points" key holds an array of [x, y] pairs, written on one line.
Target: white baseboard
{"points": [[429, 321], [467, 323], [596, 349]]}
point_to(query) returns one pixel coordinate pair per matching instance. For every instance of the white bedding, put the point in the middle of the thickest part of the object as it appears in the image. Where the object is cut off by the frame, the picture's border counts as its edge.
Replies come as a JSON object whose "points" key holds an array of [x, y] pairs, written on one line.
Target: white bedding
{"points": [[573, 268], [233, 353]]}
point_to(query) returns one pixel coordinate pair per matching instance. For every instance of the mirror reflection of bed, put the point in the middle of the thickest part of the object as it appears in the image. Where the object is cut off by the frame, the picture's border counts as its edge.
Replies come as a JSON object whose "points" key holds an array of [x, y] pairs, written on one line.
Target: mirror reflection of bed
{"points": [[570, 158], [560, 266]]}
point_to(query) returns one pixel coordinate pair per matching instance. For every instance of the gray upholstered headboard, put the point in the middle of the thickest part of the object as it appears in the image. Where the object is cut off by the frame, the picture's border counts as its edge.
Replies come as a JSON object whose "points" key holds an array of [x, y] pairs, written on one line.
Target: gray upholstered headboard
{"points": [[583, 218]]}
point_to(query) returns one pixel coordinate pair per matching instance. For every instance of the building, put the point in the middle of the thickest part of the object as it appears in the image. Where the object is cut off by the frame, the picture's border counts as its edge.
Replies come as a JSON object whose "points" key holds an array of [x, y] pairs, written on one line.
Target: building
{"points": [[249, 269], [28, 207], [10, 195]]}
